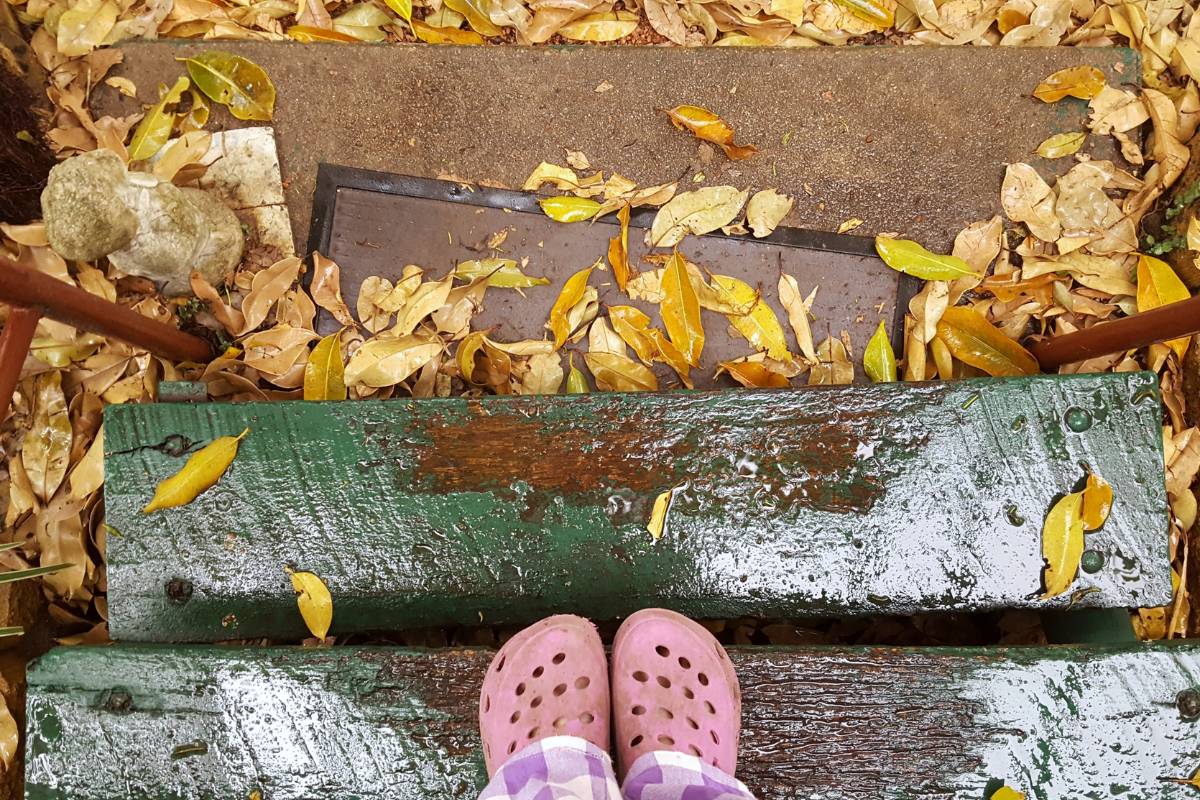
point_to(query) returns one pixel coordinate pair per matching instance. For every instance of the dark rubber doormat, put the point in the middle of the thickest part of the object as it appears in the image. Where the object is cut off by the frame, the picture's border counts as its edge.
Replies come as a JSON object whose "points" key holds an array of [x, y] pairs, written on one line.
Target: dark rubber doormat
{"points": [[375, 223]]}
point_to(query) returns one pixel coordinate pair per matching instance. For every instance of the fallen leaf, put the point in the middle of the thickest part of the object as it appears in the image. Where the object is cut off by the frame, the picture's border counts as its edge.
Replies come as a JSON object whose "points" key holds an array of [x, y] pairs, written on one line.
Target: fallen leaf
{"points": [[389, 359], [10, 736], [324, 372], [1025, 197], [326, 289], [708, 127], [309, 33], [85, 26], [975, 341], [476, 14], [576, 382], [602, 339], [753, 374], [604, 27], [1097, 502], [1062, 144], [88, 475], [879, 360], [1083, 82], [266, 289], [759, 325], [544, 374], [618, 250], [872, 11], [186, 150], [658, 514], [203, 469], [1006, 793], [797, 310], [569, 209], [615, 373], [766, 210], [503, 273], [195, 117], [155, 128], [849, 225], [833, 367], [314, 601], [699, 212], [363, 22], [426, 299], [233, 81], [911, 258], [1193, 233], [1062, 544], [562, 178], [1158, 285], [403, 8], [432, 35], [572, 292], [681, 311], [46, 448]]}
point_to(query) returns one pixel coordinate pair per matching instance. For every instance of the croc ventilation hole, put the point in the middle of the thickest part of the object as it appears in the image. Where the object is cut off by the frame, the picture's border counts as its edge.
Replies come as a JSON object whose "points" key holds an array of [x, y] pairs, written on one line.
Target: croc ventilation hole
{"points": [[587, 718], [664, 681], [702, 678], [695, 751], [537, 673], [487, 703], [560, 690], [688, 693], [515, 718], [582, 683], [520, 689], [662, 651], [664, 713], [637, 740], [559, 658], [640, 676], [684, 663], [537, 701], [639, 710]]}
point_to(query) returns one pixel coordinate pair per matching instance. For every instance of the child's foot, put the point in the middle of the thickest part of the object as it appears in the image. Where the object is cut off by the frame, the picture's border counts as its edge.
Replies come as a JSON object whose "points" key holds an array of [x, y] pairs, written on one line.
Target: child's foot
{"points": [[673, 689], [551, 679]]}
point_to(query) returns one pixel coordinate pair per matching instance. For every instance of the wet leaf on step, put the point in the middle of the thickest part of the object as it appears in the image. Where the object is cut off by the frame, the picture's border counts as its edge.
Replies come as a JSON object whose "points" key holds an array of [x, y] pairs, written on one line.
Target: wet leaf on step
{"points": [[1158, 285], [203, 469], [608, 26], [233, 81], [503, 273], [1083, 82], [753, 374], [975, 341], [468, 348], [9, 736], [879, 360], [631, 325], [709, 127], [387, 360], [1062, 544], [618, 250], [576, 382], [403, 8], [569, 209], [759, 326], [658, 514], [766, 210], [309, 33], [476, 14], [1007, 793], [1097, 502], [325, 374], [681, 311], [85, 26], [314, 601], [872, 11], [797, 308], [699, 212], [432, 35], [572, 292], [614, 373], [155, 128], [1062, 144], [46, 448], [911, 258]]}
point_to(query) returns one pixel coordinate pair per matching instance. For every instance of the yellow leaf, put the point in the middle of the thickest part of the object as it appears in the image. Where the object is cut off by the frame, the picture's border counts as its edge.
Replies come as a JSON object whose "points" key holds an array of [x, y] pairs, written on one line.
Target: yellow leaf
{"points": [[475, 12], [698, 212], [9, 736], [911, 258], [1062, 144], [543, 375], [432, 35], [631, 325], [1062, 544], [614, 373], [46, 448], [760, 326], [766, 210], [797, 311], [709, 127], [975, 341], [569, 209], [681, 311], [314, 601], [186, 150], [1006, 793], [363, 22], [88, 475], [1082, 82], [872, 11], [576, 383], [204, 468], [325, 374], [1193, 233], [309, 33], [85, 26], [387, 360], [425, 299], [658, 514], [467, 350], [604, 27], [155, 128], [879, 360], [669, 354], [235, 82], [1158, 285], [849, 225], [401, 7], [618, 250], [503, 273], [572, 292], [196, 117], [1097, 502], [753, 374]]}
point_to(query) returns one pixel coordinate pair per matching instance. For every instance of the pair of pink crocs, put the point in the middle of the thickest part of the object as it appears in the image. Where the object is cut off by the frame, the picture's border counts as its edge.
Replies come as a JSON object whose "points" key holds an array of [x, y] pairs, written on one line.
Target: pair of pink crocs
{"points": [[672, 688]]}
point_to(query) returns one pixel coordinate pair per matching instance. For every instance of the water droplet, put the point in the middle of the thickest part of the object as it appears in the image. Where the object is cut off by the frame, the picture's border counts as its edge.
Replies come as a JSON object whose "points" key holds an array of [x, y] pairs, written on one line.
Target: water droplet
{"points": [[1078, 419], [1091, 561], [1018, 423], [1014, 516]]}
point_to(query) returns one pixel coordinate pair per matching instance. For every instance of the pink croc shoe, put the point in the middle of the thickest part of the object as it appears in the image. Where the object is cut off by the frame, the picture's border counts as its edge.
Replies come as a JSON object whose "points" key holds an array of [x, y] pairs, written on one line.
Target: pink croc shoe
{"points": [[551, 679], [673, 689]]}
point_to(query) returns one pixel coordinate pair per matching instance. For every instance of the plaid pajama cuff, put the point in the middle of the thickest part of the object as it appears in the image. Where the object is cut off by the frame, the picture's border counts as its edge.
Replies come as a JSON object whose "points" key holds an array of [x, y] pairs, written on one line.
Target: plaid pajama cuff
{"points": [[569, 768]]}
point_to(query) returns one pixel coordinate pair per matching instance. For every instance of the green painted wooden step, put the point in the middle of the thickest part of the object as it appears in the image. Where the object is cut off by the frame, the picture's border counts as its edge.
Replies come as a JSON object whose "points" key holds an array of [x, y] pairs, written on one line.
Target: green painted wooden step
{"points": [[891, 498], [168, 723]]}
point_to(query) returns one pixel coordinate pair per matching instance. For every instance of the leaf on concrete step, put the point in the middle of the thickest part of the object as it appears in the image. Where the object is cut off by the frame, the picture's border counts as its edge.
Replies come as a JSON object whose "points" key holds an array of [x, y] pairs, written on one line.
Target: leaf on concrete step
{"points": [[155, 128], [753, 374], [1158, 285], [233, 81], [879, 360], [904, 255], [1062, 544], [313, 600], [325, 374], [708, 127], [389, 359], [503, 273], [572, 292], [569, 209], [759, 325], [608, 26], [975, 341], [1084, 82], [326, 289], [797, 308], [576, 382], [203, 469], [681, 311], [699, 212], [615, 373], [1062, 144], [618, 250], [1097, 502], [766, 210]]}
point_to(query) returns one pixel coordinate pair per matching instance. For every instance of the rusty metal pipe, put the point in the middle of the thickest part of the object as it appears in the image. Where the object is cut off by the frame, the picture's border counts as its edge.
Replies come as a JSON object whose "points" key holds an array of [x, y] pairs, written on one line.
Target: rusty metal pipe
{"points": [[22, 286], [1157, 325], [14, 346]]}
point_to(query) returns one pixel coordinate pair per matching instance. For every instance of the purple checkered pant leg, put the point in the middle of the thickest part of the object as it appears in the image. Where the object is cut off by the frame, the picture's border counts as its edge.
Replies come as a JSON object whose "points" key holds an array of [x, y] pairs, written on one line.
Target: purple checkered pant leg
{"points": [[568, 768]]}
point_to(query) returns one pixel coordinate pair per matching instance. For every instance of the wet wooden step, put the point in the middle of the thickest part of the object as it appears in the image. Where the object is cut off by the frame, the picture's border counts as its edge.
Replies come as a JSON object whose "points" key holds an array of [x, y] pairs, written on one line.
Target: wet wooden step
{"points": [[880, 499], [184, 723]]}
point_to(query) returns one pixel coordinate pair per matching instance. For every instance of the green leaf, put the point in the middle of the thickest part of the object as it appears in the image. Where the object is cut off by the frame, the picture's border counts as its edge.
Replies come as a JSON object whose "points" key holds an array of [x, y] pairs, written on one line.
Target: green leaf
{"points": [[155, 128], [235, 82], [569, 209], [576, 382], [22, 574], [879, 360], [15, 630], [910, 258]]}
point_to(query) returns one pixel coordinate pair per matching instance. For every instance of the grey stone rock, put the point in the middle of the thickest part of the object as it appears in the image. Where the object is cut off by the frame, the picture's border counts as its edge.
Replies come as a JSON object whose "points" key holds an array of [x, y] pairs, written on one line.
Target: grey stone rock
{"points": [[146, 226]]}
